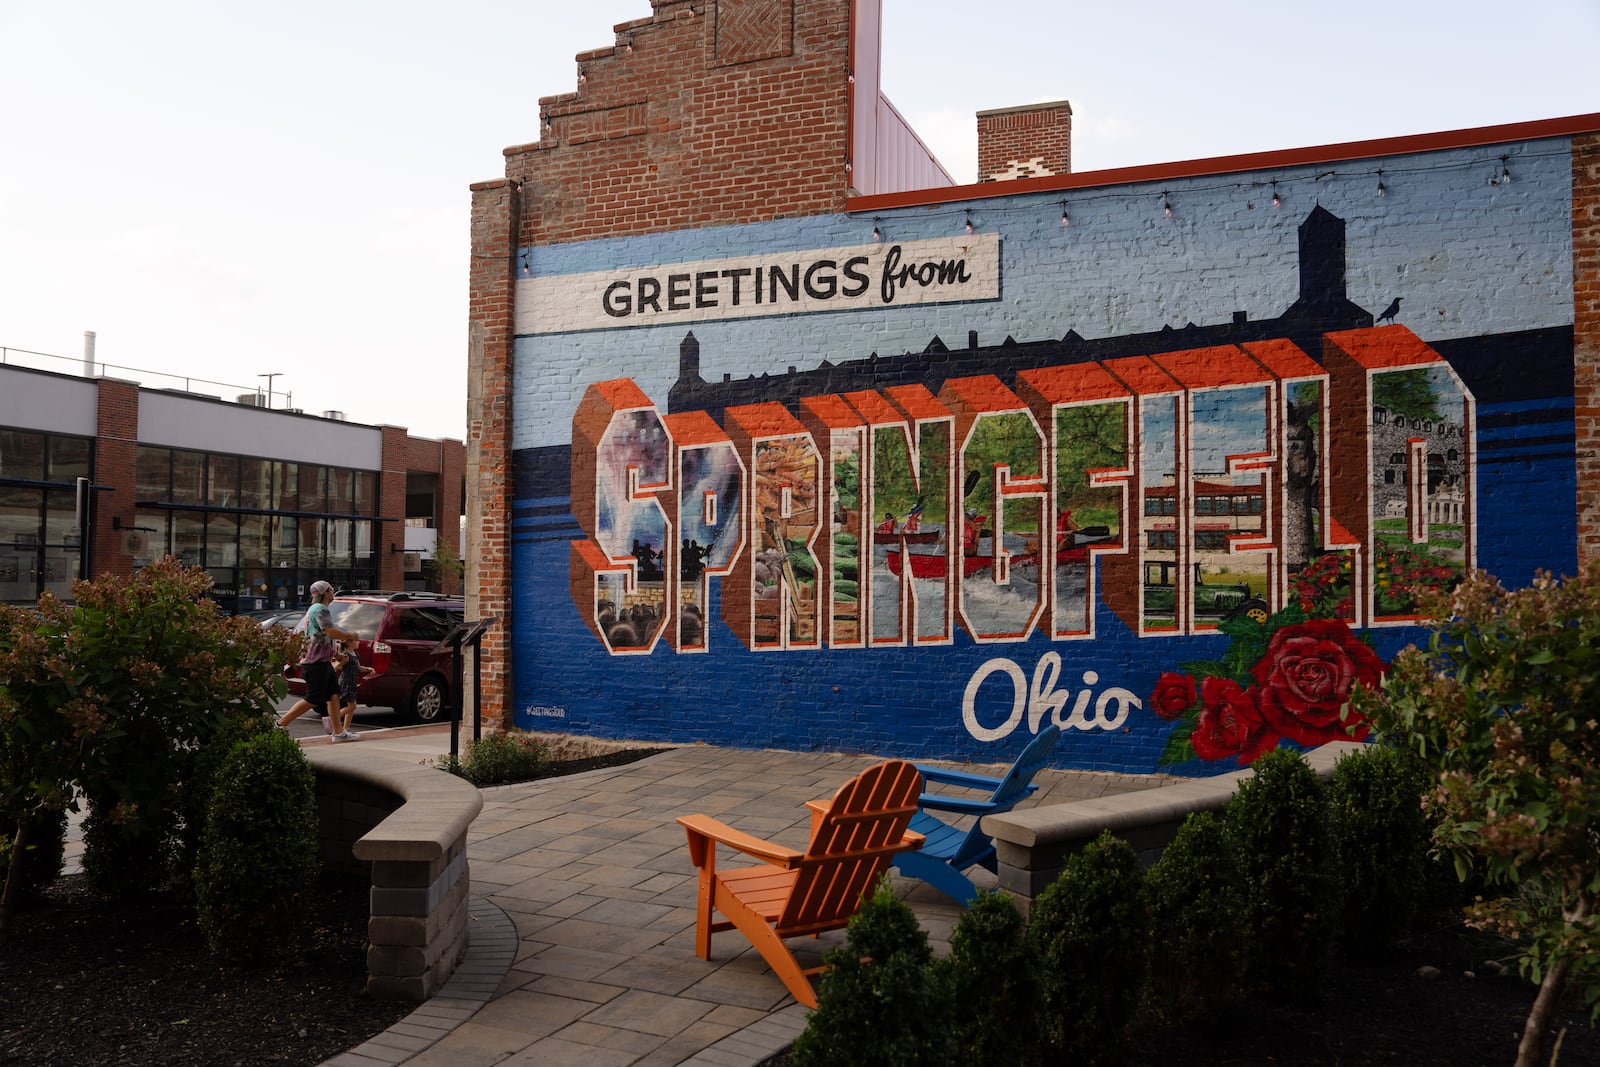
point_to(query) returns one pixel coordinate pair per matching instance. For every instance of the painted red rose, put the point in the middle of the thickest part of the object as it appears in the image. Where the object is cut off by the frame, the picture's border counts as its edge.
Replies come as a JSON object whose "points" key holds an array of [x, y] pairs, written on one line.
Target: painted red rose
{"points": [[1307, 676], [1230, 723], [1174, 695]]}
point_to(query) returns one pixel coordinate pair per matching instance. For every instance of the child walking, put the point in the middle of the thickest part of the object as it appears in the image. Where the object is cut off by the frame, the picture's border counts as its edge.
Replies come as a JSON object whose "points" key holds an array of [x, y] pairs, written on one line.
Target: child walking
{"points": [[347, 665]]}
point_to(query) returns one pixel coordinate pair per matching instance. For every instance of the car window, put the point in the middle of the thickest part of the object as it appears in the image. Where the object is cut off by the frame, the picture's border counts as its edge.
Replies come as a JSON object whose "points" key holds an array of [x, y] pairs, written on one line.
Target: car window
{"points": [[424, 624], [359, 617]]}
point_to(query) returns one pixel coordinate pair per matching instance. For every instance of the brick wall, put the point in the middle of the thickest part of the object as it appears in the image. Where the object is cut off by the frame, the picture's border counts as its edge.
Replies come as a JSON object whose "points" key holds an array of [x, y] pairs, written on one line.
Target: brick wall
{"points": [[115, 467], [1586, 335], [1025, 142], [705, 113]]}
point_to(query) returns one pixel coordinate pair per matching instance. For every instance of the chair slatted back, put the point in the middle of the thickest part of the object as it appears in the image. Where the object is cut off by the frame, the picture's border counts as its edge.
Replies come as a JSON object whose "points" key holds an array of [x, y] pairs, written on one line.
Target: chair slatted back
{"points": [[1014, 786], [852, 844]]}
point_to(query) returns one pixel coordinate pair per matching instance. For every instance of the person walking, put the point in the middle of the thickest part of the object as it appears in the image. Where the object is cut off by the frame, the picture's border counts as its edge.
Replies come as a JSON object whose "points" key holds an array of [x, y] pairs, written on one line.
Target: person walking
{"points": [[316, 661], [349, 670]]}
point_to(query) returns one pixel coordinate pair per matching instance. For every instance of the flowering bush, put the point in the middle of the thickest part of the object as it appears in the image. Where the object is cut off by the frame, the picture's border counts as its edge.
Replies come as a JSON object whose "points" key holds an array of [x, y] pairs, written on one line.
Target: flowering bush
{"points": [[1289, 677], [1500, 709]]}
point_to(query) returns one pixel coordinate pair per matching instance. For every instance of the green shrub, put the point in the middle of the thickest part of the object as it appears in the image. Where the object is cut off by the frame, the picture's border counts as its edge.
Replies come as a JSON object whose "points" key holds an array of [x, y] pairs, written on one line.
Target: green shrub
{"points": [[1381, 843], [498, 759], [114, 694], [44, 851], [992, 975], [1278, 821], [258, 853], [1092, 930], [1200, 943], [880, 1001]]}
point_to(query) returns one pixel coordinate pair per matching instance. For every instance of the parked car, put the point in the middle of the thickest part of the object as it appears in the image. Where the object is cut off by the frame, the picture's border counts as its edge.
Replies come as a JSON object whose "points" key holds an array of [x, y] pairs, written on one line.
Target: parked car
{"points": [[399, 632], [267, 617]]}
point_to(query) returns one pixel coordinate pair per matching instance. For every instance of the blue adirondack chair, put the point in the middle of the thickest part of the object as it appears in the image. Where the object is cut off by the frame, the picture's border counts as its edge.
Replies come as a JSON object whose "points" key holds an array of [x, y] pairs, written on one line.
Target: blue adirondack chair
{"points": [[950, 850]]}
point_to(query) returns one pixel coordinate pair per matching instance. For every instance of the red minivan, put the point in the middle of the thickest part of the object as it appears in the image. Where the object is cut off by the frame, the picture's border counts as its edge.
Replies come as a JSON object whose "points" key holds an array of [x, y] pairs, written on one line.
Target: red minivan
{"points": [[399, 632]]}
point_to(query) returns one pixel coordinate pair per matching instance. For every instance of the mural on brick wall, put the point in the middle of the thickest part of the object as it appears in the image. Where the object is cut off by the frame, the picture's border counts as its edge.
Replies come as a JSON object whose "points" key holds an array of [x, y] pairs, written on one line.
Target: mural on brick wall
{"points": [[1183, 545]]}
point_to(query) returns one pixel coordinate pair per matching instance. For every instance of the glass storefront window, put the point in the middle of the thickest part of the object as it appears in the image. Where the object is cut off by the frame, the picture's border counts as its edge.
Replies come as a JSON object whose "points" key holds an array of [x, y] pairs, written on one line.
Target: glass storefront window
{"points": [[254, 533], [155, 473], [223, 487], [285, 540], [311, 544], [188, 537], [19, 516], [366, 493], [188, 477], [155, 526], [60, 570], [340, 542], [312, 488], [363, 554], [21, 455], [61, 517], [222, 540], [255, 483], [285, 486], [69, 458]]}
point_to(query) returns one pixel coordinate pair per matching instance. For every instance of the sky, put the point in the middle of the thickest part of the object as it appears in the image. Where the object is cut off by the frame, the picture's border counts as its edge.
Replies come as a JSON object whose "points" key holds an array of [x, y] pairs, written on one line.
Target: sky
{"points": [[223, 192]]}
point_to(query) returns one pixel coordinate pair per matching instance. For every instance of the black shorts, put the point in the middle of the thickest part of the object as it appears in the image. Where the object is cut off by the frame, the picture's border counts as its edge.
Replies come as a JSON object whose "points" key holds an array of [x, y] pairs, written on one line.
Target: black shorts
{"points": [[321, 685]]}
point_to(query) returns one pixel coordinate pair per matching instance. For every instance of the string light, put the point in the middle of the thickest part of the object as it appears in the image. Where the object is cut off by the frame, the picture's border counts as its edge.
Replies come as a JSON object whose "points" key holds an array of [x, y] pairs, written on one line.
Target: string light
{"points": [[969, 222], [877, 234], [581, 76], [996, 213]]}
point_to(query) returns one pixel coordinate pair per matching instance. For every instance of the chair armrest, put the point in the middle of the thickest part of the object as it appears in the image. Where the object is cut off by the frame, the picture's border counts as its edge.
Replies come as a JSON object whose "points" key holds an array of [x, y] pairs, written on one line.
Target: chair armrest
{"points": [[946, 776], [959, 805], [705, 828]]}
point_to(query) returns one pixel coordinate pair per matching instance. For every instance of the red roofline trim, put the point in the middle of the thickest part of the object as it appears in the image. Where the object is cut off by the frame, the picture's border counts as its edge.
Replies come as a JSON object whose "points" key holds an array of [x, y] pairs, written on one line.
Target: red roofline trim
{"points": [[1193, 168]]}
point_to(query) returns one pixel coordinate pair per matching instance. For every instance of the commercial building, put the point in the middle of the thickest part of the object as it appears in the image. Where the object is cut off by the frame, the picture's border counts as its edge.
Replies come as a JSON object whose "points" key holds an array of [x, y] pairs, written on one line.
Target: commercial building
{"points": [[100, 475], [780, 437]]}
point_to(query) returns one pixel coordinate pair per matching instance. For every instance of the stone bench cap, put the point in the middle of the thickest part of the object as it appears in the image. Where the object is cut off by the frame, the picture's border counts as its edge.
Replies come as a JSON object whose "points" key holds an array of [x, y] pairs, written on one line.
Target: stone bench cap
{"points": [[435, 807], [1081, 820]]}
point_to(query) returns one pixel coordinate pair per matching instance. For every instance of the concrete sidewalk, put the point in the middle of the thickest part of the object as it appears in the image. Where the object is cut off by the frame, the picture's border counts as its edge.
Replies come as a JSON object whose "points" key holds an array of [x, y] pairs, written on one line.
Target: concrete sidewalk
{"points": [[584, 906]]}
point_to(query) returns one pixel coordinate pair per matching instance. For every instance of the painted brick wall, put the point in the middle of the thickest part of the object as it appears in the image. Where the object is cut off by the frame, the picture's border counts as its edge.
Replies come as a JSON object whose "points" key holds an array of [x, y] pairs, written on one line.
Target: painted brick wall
{"points": [[1025, 142], [674, 473]]}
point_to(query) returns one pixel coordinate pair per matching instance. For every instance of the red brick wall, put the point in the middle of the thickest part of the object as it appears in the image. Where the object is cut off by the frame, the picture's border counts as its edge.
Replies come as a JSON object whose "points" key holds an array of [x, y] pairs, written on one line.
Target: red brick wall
{"points": [[1586, 335], [1025, 142], [721, 112], [116, 452]]}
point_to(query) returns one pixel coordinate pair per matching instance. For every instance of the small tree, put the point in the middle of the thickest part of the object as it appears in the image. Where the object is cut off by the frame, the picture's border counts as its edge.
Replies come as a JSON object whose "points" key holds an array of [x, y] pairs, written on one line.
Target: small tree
{"points": [[1502, 709], [448, 566]]}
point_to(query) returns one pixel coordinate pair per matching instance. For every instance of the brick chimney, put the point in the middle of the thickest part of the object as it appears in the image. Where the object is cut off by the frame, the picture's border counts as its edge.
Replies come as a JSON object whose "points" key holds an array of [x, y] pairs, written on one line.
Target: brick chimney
{"points": [[1025, 142]]}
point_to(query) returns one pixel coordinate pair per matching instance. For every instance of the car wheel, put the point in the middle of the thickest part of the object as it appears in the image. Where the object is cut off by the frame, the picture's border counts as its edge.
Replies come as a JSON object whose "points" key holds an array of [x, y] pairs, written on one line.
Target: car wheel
{"points": [[428, 702]]}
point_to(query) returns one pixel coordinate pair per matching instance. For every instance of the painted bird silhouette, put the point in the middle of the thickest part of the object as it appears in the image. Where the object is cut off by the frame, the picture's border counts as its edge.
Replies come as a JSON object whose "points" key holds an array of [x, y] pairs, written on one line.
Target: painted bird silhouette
{"points": [[1391, 311]]}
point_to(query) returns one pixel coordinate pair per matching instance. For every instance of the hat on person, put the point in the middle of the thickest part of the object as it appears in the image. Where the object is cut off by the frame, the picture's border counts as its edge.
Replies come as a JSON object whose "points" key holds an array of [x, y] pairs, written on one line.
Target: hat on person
{"points": [[319, 587]]}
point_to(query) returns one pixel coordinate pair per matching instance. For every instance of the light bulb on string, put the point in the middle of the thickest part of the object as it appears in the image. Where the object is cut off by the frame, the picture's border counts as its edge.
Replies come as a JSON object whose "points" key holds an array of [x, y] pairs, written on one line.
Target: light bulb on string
{"points": [[1065, 221], [1166, 206], [1381, 187], [969, 222], [877, 234], [1277, 202]]}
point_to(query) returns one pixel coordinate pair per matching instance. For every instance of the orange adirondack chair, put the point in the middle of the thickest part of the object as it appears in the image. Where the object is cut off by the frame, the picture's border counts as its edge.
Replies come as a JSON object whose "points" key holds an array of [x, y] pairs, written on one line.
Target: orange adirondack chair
{"points": [[853, 838]]}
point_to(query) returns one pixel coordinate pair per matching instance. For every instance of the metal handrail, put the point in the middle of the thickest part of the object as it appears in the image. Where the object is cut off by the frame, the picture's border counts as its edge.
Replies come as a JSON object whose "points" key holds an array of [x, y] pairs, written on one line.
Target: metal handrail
{"points": [[94, 369]]}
